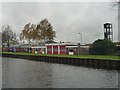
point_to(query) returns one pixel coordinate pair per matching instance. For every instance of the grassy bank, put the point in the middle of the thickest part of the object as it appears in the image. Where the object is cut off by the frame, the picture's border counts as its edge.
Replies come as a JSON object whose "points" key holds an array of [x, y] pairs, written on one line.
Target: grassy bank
{"points": [[105, 57]]}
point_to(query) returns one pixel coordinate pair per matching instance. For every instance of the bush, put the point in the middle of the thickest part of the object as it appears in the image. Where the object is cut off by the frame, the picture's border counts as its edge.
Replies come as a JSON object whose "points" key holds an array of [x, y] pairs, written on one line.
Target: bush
{"points": [[103, 47]]}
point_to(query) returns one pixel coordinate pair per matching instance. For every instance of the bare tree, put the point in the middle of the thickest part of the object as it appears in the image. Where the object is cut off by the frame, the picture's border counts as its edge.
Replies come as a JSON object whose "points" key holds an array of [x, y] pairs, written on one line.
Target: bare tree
{"points": [[8, 36], [116, 3]]}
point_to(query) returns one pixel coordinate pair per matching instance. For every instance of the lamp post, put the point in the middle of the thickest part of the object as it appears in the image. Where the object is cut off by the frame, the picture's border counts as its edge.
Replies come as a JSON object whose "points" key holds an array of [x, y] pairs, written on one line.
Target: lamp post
{"points": [[81, 37], [29, 46], [79, 43]]}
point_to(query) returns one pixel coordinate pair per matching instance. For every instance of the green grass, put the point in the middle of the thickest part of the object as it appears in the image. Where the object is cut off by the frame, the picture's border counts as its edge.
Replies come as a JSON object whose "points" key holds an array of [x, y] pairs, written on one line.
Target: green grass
{"points": [[104, 57]]}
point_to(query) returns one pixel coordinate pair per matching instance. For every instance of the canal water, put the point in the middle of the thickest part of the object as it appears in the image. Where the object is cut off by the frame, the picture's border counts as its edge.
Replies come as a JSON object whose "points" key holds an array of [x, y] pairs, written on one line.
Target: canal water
{"points": [[20, 73]]}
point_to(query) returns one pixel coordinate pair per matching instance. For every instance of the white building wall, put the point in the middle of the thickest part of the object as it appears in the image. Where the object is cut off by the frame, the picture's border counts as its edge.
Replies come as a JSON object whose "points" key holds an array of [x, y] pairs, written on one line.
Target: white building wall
{"points": [[52, 49], [58, 49]]}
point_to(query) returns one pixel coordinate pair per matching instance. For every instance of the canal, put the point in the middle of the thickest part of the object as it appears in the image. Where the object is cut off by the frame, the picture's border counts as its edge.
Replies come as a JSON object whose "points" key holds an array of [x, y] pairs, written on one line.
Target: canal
{"points": [[21, 73]]}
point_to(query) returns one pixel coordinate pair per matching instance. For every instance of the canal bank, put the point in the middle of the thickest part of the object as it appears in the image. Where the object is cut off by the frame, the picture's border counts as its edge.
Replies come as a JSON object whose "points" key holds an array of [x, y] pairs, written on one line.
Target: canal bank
{"points": [[87, 62]]}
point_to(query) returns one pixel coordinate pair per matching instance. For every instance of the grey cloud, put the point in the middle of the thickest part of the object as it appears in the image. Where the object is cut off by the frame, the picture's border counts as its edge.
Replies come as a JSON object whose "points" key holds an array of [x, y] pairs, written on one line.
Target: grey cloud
{"points": [[68, 19]]}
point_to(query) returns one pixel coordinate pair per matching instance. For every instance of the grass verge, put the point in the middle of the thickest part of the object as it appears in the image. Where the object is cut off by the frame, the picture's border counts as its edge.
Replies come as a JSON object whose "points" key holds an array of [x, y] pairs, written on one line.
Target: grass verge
{"points": [[100, 57]]}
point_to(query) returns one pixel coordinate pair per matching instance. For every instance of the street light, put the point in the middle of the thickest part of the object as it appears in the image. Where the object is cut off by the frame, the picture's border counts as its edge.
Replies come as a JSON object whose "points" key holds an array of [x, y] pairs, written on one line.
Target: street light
{"points": [[81, 37], [79, 43], [29, 46]]}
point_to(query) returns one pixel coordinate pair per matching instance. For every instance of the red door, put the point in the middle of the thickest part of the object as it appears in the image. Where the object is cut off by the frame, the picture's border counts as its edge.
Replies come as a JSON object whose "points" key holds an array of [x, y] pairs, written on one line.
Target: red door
{"points": [[55, 49], [49, 49], [62, 49]]}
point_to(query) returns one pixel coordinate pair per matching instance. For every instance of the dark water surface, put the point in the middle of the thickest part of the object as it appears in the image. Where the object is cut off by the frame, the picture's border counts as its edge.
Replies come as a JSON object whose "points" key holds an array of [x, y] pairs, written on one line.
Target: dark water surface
{"points": [[20, 73]]}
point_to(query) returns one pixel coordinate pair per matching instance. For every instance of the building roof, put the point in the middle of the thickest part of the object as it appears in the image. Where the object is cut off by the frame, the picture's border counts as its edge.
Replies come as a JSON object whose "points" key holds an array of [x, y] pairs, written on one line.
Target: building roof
{"points": [[38, 47], [53, 44]]}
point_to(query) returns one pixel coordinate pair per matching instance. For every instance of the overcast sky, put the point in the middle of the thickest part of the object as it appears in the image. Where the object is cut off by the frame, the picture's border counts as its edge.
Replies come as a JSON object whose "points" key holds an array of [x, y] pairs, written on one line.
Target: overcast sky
{"points": [[67, 18]]}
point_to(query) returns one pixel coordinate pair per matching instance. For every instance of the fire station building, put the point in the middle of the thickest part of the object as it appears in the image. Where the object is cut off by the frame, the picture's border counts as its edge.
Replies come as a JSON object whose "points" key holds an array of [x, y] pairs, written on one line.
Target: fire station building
{"points": [[56, 48], [61, 48]]}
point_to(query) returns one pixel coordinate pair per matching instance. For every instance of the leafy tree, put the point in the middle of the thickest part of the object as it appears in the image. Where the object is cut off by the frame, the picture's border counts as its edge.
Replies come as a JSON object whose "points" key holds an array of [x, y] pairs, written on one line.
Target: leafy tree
{"points": [[8, 36], [25, 32], [45, 30], [103, 47], [41, 31]]}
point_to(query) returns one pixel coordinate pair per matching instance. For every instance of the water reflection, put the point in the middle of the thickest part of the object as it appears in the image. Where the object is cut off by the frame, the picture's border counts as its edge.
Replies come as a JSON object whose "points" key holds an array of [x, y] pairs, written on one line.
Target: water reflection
{"points": [[19, 73]]}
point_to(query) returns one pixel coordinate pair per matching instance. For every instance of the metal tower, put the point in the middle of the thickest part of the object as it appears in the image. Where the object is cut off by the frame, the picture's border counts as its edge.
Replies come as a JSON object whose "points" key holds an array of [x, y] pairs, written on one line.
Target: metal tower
{"points": [[108, 31]]}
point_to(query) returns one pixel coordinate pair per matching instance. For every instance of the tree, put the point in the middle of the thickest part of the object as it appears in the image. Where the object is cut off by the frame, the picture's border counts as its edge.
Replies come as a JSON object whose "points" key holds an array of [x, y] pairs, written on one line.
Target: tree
{"points": [[116, 3], [8, 36], [25, 32], [0, 39], [41, 31], [103, 47], [45, 30]]}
